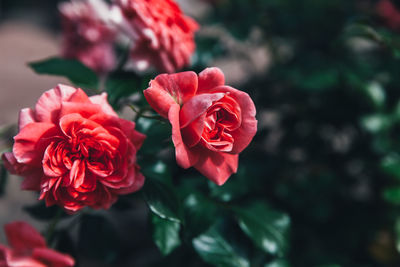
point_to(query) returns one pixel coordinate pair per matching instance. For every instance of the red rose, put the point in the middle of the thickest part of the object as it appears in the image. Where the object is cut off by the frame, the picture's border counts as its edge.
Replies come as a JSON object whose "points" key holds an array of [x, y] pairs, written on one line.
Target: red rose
{"points": [[162, 35], [75, 150], [87, 34], [211, 122], [28, 249], [388, 11]]}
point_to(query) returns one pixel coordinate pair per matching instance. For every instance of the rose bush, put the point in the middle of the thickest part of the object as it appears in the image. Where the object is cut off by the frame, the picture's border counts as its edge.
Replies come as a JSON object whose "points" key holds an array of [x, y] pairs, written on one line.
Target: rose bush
{"points": [[211, 122], [163, 37], [28, 249], [87, 34], [75, 150]]}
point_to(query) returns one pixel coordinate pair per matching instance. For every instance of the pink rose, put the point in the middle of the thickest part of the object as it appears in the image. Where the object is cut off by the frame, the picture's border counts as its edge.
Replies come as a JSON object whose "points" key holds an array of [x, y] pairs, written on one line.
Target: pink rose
{"points": [[75, 150], [28, 249], [211, 122], [162, 35], [87, 34], [388, 11]]}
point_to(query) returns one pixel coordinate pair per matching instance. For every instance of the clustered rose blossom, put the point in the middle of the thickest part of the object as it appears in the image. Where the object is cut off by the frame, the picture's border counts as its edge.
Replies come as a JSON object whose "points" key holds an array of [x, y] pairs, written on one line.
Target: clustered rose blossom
{"points": [[87, 34], [211, 122], [28, 249], [75, 150], [389, 12], [162, 35]]}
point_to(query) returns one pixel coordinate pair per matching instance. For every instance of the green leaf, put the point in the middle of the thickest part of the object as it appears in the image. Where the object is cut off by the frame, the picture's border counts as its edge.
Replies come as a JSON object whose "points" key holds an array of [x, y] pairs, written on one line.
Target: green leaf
{"points": [[74, 70], [200, 213], [158, 135], [119, 85], [162, 200], [269, 229], [214, 249], [391, 165], [383, 37], [237, 187], [319, 80], [165, 234], [157, 170], [376, 94], [362, 30], [278, 263], [376, 123], [392, 195], [314, 79]]}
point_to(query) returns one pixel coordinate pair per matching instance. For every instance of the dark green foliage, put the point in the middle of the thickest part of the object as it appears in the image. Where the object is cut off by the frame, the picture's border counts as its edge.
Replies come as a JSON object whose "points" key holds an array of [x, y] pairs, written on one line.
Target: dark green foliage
{"points": [[267, 228], [74, 70], [215, 249], [120, 85], [200, 213], [318, 186], [165, 234], [162, 200], [158, 135]]}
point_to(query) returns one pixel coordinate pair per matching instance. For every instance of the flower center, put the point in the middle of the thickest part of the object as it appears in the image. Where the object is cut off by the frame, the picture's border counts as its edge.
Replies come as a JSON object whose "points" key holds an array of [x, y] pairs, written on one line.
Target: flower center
{"points": [[222, 118]]}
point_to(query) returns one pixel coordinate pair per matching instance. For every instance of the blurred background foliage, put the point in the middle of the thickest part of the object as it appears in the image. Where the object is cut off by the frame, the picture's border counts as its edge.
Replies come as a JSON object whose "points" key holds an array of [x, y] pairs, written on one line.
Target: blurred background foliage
{"points": [[320, 184]]}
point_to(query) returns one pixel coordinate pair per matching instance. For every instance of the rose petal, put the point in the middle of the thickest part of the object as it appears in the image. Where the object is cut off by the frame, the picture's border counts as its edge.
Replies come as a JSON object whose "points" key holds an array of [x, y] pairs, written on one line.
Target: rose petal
{"points": [[32, 180], [137, 180], [70, 123], [48, 106], [79, 96], [191, 134], [53, 258], [4, 254], [103, 102], [169, 89], [77, 173], [72, 107], [217, 167], [21, 236], [21, 261], [31, 141], [197, 106], [128, 128], [209, 79], [11, 164], [184, 157], [26, 116], [245, 133]]}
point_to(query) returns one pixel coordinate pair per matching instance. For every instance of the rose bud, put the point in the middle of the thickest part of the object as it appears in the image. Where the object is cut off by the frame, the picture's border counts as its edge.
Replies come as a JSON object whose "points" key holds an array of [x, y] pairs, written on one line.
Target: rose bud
{"points": [[211, 122], [28, 249], [163, 37], [75, 150]]}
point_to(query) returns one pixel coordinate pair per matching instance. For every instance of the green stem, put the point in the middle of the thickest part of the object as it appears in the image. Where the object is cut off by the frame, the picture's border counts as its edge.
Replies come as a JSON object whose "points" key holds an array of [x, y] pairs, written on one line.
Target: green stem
{"points": [[139, 113], [102, 84], [52, 226]]}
